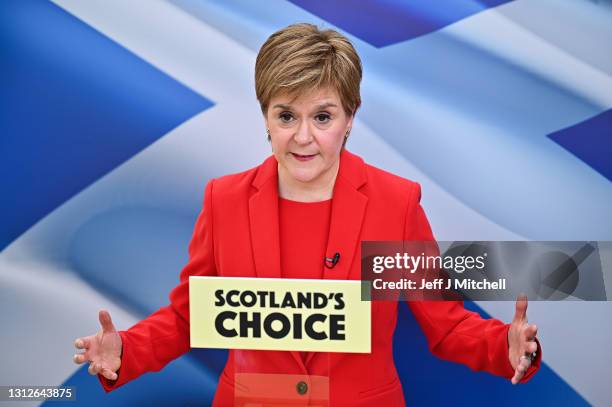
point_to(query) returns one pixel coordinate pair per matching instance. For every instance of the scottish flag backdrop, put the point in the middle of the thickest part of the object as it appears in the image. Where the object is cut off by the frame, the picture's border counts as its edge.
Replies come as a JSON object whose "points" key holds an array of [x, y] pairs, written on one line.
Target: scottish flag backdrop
{"points": [[115, 113]]}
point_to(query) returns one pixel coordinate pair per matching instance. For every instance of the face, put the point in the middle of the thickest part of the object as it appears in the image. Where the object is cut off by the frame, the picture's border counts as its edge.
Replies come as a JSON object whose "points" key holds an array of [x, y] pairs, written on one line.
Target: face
{"points": [[307, 133]]}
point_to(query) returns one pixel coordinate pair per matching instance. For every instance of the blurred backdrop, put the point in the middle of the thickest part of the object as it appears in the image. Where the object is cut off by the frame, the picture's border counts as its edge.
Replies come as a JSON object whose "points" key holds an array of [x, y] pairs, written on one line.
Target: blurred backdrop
{"points": [[114, 114]]}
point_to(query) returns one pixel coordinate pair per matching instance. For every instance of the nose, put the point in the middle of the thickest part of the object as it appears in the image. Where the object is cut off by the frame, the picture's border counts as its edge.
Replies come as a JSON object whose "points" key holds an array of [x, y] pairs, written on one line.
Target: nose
{"points": [[303, 134]]}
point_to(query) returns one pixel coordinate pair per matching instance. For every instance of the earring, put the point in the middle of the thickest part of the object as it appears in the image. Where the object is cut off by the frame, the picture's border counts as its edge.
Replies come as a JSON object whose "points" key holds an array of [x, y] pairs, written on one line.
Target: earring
{"points": [[268, 134], [347, 133]]}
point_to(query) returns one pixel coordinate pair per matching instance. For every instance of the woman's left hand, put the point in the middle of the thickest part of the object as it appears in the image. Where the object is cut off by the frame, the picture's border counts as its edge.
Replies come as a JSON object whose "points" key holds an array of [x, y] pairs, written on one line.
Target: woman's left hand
{"points": [[521, 340]]}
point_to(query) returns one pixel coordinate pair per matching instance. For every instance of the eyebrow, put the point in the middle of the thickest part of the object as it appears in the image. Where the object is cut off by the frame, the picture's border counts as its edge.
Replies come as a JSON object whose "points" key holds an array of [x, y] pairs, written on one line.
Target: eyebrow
{"points": [[320, 107]]}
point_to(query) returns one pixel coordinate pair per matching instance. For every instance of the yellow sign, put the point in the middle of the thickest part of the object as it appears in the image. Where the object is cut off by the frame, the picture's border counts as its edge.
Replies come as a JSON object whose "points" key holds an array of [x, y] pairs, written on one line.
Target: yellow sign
{"points": [[279, 314]]}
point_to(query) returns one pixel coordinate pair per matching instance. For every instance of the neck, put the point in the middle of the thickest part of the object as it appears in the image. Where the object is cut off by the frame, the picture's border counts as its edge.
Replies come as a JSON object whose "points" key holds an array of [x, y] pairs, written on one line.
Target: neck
{"points": [[317, 190]]}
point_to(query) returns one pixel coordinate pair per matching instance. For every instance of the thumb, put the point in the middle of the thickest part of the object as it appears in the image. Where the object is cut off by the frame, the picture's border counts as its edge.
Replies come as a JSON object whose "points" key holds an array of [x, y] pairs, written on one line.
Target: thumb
{"points": [[520, 312], [106, 322]]}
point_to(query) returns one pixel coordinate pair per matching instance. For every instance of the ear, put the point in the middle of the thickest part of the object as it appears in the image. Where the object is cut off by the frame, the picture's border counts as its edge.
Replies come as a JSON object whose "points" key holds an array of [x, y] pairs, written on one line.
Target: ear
{"points": [[349, 125]]}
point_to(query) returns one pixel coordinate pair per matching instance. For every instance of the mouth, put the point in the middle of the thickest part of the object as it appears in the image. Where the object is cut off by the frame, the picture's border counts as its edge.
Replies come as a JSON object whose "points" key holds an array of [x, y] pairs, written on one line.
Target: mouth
{"points": [[302, 157]]}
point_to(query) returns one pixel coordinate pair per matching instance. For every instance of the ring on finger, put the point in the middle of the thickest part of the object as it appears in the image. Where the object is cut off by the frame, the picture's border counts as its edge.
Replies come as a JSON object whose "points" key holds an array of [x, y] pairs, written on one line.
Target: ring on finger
{"points": [[530, 356]]}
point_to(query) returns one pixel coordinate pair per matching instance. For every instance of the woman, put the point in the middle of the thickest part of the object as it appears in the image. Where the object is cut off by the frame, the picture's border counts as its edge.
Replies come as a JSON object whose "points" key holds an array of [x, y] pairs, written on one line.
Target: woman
{"points": [[310, 199]]}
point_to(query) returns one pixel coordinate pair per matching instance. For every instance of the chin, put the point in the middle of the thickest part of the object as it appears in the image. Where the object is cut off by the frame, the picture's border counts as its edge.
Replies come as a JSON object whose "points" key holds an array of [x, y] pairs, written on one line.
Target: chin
{"points": [[303, 175]]}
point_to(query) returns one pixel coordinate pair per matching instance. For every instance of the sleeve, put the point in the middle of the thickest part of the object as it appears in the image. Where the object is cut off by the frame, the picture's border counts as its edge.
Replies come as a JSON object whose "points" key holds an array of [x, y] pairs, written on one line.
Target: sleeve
{"points": [[164, 335], [454, 333]]}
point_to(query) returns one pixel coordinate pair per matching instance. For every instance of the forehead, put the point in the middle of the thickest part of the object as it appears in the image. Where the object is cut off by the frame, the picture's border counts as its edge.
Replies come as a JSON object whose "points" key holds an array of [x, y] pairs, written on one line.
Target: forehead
{"points": [[318, 97]]}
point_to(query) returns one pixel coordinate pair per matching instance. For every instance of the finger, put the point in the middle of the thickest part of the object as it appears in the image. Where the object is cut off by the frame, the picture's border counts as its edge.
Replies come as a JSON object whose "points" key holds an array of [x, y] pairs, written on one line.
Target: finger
{"points": [[80, 358], [82, 343], [97, 367], [531, 347], [108, 374], [517, 377], [524, 364], [520, 310], [530, 332], [106, 322], [521, 369]]}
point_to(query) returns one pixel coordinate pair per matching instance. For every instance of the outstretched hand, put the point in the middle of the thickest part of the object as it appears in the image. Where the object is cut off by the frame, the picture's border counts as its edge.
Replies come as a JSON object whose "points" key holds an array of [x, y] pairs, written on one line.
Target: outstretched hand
{"points": [[102, 350], [521, 340]]}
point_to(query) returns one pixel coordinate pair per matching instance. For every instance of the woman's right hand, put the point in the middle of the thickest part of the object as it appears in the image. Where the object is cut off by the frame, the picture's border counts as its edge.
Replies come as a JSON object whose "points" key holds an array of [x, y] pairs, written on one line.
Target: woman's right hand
{"points": [[102, 350]]}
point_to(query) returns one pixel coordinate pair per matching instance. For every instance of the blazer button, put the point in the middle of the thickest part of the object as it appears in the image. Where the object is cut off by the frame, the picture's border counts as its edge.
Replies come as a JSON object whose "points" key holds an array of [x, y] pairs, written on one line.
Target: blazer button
{"points": [[301, 388]]}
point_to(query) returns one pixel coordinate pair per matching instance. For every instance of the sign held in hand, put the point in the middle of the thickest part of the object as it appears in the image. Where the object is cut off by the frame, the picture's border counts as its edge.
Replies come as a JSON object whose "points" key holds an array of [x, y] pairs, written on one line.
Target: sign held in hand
{"points": [[279, 314]]}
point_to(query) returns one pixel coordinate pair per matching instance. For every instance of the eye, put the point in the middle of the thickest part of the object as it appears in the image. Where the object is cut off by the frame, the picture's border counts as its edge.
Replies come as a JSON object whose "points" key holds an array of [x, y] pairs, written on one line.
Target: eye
{"points": [[323, 117], [285, 117]]}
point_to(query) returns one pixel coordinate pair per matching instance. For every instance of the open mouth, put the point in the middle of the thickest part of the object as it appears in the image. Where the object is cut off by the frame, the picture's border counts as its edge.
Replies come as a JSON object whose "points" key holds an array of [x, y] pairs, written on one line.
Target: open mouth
{"points": [[301, 157]]}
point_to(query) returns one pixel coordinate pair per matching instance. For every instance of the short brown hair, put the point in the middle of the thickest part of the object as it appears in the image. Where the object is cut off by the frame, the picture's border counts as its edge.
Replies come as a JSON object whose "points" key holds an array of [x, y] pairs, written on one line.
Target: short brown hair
{"points": [[301, 58]]}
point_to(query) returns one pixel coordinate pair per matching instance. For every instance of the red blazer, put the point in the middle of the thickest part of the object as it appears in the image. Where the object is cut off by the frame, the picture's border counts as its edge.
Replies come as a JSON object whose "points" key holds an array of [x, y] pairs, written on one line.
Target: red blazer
{"points": [[237, 234]]}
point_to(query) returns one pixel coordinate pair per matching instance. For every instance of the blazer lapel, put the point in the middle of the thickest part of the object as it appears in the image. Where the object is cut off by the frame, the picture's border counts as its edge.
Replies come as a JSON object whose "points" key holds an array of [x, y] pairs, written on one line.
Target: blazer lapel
{"points": [[348, 210], [263, 216]]}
